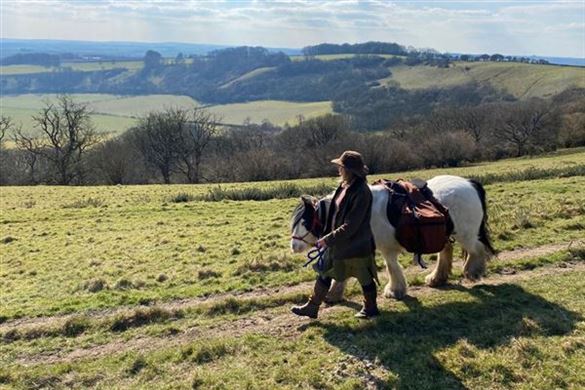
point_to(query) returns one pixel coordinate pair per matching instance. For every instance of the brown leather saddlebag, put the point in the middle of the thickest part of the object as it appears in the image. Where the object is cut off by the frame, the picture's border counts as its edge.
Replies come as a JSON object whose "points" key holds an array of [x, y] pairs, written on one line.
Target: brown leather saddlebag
{"points": [[422, 223]]}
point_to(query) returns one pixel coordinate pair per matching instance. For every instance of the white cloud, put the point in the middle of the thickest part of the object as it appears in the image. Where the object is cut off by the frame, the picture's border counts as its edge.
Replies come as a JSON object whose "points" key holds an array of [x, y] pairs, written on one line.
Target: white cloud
{"points": [[485, 26]]}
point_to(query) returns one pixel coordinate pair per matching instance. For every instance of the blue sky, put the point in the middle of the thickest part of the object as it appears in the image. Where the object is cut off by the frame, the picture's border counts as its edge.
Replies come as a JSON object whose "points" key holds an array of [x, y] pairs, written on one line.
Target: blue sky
{"points": [[525, 27]]}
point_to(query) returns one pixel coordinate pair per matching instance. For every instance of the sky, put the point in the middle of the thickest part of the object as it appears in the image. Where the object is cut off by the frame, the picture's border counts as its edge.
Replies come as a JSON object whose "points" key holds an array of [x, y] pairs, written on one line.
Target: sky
{"points": [[521, 27]]}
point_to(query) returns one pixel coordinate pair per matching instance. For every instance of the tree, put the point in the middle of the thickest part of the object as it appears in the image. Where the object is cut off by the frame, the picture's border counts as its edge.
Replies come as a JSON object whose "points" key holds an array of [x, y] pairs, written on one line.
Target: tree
{"points": [[65, 135], [527, 126], [116, 161], [202, 126], [180, 59], [6, 125], [152, 59], [497, 58], [159, 137]]}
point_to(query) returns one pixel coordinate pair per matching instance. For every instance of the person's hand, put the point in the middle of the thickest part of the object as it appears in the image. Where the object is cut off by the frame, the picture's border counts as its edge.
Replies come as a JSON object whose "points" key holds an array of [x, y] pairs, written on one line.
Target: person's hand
{"points": [[321, 244]]}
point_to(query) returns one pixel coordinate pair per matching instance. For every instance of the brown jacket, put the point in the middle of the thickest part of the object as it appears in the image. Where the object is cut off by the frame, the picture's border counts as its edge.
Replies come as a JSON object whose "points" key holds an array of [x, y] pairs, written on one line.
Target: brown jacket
{"points": [[352, 235]]}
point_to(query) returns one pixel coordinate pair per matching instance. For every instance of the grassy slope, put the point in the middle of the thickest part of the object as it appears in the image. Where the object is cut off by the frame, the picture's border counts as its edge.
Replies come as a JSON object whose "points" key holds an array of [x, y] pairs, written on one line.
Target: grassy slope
{"points": [[521, 80], [56, 239], [247, 76], [522, 332]]}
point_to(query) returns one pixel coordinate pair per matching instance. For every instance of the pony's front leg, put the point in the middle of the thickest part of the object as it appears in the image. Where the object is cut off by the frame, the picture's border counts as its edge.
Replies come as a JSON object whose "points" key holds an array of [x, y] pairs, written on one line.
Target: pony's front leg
{"points": [[335, 294], [442, 270], [396, 287]]}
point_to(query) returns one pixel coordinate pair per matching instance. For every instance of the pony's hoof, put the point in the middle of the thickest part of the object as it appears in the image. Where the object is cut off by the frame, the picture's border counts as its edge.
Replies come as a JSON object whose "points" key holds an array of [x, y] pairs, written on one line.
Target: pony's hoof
{"points": [[472, 276], [433, 281], [396, 294]]}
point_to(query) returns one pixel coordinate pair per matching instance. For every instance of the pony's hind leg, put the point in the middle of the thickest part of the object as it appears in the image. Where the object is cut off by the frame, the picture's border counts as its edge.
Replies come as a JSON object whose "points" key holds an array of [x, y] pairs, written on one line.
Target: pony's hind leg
{"points": [[442, 270], [335, 294], [475, 263], [396, 287]]}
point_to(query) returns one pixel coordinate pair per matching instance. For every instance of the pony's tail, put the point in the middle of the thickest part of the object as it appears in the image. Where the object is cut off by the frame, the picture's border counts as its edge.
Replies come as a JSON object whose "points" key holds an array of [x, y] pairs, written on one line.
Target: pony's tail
{"points": [[484, 233]]}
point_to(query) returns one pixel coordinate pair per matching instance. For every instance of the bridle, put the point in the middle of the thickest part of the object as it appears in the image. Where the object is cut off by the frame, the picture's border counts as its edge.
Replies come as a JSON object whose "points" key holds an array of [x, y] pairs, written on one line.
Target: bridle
{"points": [[314, 229]]}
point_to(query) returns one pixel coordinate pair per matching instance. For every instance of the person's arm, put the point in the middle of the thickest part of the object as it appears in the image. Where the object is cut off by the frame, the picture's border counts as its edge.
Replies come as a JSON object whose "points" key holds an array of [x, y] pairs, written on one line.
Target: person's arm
{"points": [[353, 220]]}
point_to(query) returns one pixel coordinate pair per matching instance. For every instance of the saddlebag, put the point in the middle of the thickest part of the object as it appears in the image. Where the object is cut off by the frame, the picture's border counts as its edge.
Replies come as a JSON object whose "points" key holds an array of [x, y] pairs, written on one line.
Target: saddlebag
{"points": [[422, 223]]}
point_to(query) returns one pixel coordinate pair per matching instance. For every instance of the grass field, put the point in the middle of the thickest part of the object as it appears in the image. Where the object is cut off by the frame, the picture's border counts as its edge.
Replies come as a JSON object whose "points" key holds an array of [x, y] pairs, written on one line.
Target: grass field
{"points": [[114, 114], [77, 66], [125, 286], [521, 80], [277, 112], [247, 76]]}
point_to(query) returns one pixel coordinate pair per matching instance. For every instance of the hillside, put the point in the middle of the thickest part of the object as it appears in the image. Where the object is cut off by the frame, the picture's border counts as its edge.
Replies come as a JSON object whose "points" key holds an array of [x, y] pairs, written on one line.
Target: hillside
{"points": [[156, 293], [373, 91], [520, 80]]}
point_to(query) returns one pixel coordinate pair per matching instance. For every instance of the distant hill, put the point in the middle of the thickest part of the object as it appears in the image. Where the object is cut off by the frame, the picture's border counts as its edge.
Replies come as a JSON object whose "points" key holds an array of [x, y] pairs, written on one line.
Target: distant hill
{"points": [[375, 90], [111, 49]]}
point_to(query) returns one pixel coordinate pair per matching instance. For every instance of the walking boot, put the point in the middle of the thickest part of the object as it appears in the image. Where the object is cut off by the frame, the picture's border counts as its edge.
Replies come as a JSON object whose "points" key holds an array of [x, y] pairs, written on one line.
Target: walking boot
{"points": [[370, 307], [311, 308]]}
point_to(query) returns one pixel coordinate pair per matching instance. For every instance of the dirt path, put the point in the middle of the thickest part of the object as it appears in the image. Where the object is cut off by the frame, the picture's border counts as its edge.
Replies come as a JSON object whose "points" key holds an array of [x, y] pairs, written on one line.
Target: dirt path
{"points": [[183, 304], [276, 322]]}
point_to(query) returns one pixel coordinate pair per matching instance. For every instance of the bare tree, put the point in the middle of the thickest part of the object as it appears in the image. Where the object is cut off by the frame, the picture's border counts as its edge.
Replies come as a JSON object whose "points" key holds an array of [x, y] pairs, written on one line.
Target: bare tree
{"points": [[32, 150], [527, 126], [159, 137], [116, 161], [65, 133], [202, 126], [6, 125]]}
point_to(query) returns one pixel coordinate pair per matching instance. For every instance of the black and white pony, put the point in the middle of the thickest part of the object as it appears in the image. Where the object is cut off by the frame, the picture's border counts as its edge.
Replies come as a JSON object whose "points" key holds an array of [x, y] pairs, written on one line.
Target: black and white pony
{"points": [[466, 202]]}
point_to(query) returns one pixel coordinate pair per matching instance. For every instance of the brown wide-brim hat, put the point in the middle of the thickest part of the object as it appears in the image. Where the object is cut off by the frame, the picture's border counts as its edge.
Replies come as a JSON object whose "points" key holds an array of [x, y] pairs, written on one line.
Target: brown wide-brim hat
{"points": [[353, 162]]}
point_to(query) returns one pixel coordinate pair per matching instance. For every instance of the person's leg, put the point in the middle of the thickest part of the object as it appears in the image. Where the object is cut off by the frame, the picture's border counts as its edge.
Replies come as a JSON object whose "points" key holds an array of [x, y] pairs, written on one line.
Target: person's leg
{"points": [[311, 308], [370, 308]]}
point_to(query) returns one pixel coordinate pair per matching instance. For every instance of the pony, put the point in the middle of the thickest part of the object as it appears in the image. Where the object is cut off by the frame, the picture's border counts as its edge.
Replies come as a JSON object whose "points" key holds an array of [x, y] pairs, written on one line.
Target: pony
{"points": [[466, 201]]}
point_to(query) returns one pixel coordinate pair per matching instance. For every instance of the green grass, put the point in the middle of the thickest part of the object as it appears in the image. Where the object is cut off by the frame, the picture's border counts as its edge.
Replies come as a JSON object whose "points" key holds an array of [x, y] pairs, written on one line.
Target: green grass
{"points": [[115, 114], [103, 65], [520, 80], [275, 111], [56, 240], [23, 69], [127, 263], [524, 335], [77, 66]]}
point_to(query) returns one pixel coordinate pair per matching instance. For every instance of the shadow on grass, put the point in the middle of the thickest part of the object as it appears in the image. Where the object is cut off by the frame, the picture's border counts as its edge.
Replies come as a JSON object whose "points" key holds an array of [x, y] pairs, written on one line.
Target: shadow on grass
{"points": [[405, 342]]}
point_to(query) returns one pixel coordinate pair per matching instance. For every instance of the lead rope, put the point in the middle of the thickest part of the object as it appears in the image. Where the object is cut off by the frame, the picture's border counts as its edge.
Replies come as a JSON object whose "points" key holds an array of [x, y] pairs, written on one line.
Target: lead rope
{"points": [[315, 254]]}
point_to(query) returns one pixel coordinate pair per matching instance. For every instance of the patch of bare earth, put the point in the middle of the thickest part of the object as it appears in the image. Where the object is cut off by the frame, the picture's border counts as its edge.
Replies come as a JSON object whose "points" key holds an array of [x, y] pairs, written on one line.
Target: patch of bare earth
{"points": [[276, 322]]}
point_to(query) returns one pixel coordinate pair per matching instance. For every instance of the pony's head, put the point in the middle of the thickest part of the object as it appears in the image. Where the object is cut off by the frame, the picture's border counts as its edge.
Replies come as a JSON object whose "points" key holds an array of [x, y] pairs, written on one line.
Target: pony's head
{"points": [[305, 225]]}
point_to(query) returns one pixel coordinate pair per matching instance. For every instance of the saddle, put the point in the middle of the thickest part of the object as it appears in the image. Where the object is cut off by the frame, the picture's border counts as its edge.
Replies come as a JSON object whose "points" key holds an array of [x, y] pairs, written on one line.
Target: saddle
{"points": [[421, 222]]}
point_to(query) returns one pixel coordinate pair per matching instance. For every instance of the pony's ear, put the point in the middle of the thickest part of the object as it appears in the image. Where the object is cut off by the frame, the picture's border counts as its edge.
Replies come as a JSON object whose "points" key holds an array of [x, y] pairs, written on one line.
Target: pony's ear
{"points": [[306, 199]]}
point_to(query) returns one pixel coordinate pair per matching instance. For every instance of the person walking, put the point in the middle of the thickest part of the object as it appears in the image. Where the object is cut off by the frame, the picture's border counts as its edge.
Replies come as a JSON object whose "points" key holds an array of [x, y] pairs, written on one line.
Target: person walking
{"points": [[347, 241]]}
